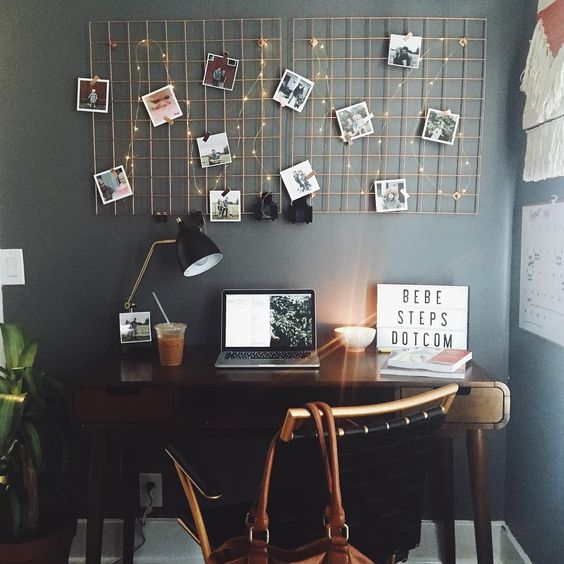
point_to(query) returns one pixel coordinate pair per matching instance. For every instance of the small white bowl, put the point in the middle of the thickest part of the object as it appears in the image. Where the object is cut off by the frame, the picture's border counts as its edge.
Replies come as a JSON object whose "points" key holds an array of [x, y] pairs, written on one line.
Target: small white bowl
{"points": [[355, 339]]}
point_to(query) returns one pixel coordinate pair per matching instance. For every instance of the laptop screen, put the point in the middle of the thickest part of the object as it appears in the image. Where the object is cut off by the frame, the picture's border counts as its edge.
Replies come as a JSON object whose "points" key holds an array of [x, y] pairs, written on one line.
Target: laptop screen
{"points": [[268, 319]]}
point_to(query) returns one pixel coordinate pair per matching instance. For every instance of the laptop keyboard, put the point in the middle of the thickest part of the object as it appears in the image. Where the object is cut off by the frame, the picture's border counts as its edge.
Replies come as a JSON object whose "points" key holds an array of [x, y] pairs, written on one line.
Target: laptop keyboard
{"points": [[267, 355]]}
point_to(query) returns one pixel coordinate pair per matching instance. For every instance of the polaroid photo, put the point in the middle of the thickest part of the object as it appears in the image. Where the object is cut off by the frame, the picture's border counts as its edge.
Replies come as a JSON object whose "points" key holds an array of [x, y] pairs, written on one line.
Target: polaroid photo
{"points": [[220, 72], [215, 151], [135, 327], [113, 185], [162, 105], [391, 195], [299, 181], [93, 96], [355, 121], [405, 51], [440, 126], [293, 91], [225, 207]]}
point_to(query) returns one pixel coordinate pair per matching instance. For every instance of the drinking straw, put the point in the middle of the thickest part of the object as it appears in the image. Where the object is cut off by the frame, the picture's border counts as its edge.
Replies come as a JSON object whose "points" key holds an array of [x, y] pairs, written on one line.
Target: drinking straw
{"points": [[161, 308]]}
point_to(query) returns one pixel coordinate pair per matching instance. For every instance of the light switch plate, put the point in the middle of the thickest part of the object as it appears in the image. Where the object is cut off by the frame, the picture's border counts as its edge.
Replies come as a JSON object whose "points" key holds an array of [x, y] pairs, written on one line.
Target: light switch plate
{"points": [[11, 267]]}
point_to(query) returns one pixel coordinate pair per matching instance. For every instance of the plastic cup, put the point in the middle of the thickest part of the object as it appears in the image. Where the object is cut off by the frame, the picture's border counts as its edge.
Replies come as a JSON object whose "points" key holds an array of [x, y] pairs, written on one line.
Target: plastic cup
{"points": [[170, 339]]}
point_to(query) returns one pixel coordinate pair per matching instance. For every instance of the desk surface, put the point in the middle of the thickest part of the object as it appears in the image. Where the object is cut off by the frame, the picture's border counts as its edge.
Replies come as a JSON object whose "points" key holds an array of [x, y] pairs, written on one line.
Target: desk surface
{"points": [[129, 391]]}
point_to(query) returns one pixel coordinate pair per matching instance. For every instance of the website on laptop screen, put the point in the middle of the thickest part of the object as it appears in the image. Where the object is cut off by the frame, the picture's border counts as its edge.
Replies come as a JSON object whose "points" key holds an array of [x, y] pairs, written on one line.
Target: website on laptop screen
{"points": [[275, 321]]}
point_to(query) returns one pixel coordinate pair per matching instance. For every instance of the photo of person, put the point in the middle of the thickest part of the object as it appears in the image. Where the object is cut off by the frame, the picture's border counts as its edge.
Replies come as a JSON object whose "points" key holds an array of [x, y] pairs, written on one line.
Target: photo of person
{"points": [[297, 182], [161, 104], [391, 195], [355, 121], [215, 151], [405, 51], [220, 72], [135, 327], [113, 185], [440, 126], [92, 97], [225, 208], [293, 91]]}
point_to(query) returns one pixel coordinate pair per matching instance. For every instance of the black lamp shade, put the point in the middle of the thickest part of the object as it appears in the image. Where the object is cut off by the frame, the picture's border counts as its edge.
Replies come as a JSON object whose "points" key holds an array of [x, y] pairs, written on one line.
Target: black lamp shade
{"points": [[196, 251]]}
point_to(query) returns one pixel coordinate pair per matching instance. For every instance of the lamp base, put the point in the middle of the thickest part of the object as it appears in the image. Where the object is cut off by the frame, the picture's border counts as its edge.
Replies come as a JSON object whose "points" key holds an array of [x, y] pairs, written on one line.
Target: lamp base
{"points": [[143, 351]]}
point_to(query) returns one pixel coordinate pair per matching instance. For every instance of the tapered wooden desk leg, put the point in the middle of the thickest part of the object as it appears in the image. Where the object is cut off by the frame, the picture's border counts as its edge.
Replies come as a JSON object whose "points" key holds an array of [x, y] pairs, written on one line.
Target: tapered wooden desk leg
{"points": [[131, 491], [96, 482], [477, 464], [447, 501]]}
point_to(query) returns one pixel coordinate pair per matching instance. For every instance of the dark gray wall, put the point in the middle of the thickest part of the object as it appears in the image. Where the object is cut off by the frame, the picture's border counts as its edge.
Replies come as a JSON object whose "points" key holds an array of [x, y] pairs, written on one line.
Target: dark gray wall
{"points": [[535, 445], [79, 267]]}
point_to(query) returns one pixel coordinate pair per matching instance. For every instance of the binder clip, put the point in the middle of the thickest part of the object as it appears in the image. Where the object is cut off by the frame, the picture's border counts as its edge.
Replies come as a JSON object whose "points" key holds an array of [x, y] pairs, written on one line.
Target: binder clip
{"points": [[206, 136], [160, 217], [265, 208], [300, 211]]}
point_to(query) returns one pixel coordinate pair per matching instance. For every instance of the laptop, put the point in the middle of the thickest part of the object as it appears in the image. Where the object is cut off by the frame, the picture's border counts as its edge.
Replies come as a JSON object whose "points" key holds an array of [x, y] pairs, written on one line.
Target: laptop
{"points": [[268, 329]]}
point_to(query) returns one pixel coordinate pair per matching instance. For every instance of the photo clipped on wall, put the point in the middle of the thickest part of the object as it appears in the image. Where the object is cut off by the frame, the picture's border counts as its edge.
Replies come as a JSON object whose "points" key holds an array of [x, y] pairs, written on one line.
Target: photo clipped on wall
{"points": [[300, 180], [391, 195], [405, 51], [93, 95], [220, 72], [135, 327], [225, 205], [293, 91], [440, 126], [162, 105], [214, 150], [355, 121], [113, 185]]}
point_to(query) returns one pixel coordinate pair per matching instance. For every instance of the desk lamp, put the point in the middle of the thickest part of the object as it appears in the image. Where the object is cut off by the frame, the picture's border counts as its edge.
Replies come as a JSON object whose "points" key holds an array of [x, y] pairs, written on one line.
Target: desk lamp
{"points": [[195, 250]]}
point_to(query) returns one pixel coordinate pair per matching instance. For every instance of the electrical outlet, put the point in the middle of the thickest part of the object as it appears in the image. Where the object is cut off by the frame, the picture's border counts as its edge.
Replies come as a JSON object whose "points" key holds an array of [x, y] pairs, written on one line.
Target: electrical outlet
{"points": [[157, 492]]}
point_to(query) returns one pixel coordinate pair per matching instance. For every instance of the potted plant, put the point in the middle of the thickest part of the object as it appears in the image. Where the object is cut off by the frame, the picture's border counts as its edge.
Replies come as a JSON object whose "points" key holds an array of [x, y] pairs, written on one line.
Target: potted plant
{"points": [[34, 519]]}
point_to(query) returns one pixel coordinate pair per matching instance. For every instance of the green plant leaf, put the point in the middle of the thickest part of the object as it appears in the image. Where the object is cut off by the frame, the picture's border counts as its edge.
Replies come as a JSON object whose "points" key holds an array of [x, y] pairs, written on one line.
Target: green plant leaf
{"points": [[5, 386], [4, 371], [11, 411], [32, 441], [30, 384], [13, 339], [28, 354]]}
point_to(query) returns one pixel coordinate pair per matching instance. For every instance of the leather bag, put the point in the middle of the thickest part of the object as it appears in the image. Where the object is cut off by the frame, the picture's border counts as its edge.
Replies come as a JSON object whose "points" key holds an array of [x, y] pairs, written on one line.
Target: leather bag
{"points": [[331, 548]]}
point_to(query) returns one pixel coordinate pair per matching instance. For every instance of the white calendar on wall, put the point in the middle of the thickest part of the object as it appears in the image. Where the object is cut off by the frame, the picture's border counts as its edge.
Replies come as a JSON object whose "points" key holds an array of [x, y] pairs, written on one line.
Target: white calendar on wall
{"points": [[541, 305]]}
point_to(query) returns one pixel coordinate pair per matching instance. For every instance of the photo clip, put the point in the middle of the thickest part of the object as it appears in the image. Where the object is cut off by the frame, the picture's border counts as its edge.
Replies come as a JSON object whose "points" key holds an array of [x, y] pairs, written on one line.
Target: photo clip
{"points": [[313, 41], [94, 80], [225, 192], [463, 41], [206, 136], [312, 173], [261, 42], [168, 120], [407, 36]]}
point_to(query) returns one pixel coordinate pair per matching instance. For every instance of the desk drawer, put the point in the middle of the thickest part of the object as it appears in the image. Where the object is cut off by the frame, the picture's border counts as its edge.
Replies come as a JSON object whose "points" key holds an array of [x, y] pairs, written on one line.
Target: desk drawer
{"points": [[123, 405], [475, 405]]}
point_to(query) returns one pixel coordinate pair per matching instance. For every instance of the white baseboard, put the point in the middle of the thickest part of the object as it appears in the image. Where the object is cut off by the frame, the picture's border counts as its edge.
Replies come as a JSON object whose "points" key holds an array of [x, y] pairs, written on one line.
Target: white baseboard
{"points": [[167, 543]]}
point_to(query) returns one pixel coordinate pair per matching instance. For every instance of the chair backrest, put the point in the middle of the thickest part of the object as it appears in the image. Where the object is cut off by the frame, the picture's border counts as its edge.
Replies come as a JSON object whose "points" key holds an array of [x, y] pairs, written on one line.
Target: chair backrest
{"points": [[384, 454]]}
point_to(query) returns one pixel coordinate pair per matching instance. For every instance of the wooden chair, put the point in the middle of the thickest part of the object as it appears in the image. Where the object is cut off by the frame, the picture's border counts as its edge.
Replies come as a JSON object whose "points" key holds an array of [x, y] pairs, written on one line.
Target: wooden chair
{"points": [[384, 455]]}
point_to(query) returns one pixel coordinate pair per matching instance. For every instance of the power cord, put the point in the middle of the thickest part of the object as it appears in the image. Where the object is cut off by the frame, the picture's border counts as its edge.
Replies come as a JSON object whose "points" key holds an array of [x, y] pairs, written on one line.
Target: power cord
{"points": [[142, 521]]}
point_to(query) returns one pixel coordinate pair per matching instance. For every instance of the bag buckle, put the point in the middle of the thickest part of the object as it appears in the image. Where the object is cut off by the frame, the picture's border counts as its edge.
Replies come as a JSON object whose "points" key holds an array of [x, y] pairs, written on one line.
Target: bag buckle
{"points": [[266, 535], [345, 529]]}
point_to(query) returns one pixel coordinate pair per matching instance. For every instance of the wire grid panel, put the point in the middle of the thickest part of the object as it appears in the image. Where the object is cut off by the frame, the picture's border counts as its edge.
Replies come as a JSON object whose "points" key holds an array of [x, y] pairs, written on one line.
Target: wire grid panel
{"points": [[162, 163], [348, 60]]}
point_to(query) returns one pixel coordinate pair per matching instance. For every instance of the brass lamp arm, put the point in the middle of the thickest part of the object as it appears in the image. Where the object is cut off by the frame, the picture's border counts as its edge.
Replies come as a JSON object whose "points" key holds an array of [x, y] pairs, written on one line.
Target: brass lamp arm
{"points": [[129, 303]]}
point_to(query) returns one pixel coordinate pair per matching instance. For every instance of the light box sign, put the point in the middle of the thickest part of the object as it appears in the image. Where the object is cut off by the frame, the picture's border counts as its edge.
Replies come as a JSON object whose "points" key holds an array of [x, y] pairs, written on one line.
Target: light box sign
{"points": [[422, 316]]}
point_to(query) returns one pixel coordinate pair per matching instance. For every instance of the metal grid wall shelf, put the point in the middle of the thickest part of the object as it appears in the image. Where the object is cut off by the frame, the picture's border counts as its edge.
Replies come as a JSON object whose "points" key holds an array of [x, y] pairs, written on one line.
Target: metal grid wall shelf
{"points": [[162, 162], [347, 59]]}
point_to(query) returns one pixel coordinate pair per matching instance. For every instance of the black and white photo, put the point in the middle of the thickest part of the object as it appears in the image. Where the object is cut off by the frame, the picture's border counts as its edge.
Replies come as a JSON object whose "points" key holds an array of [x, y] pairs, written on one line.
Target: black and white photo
{"points": [[225, 205], [405, 51], [92, 95], [220, 72], [355, 121], [113, 184], [135, 327], [293, 91], [290, 321], [440, 126], [162, 105], [299, 180], [391, 195], [214, 150]]}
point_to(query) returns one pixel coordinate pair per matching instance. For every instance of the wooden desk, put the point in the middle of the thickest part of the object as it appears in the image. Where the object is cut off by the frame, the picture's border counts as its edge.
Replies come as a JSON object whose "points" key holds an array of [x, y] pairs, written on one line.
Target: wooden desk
{"points": [[129, 395]]}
